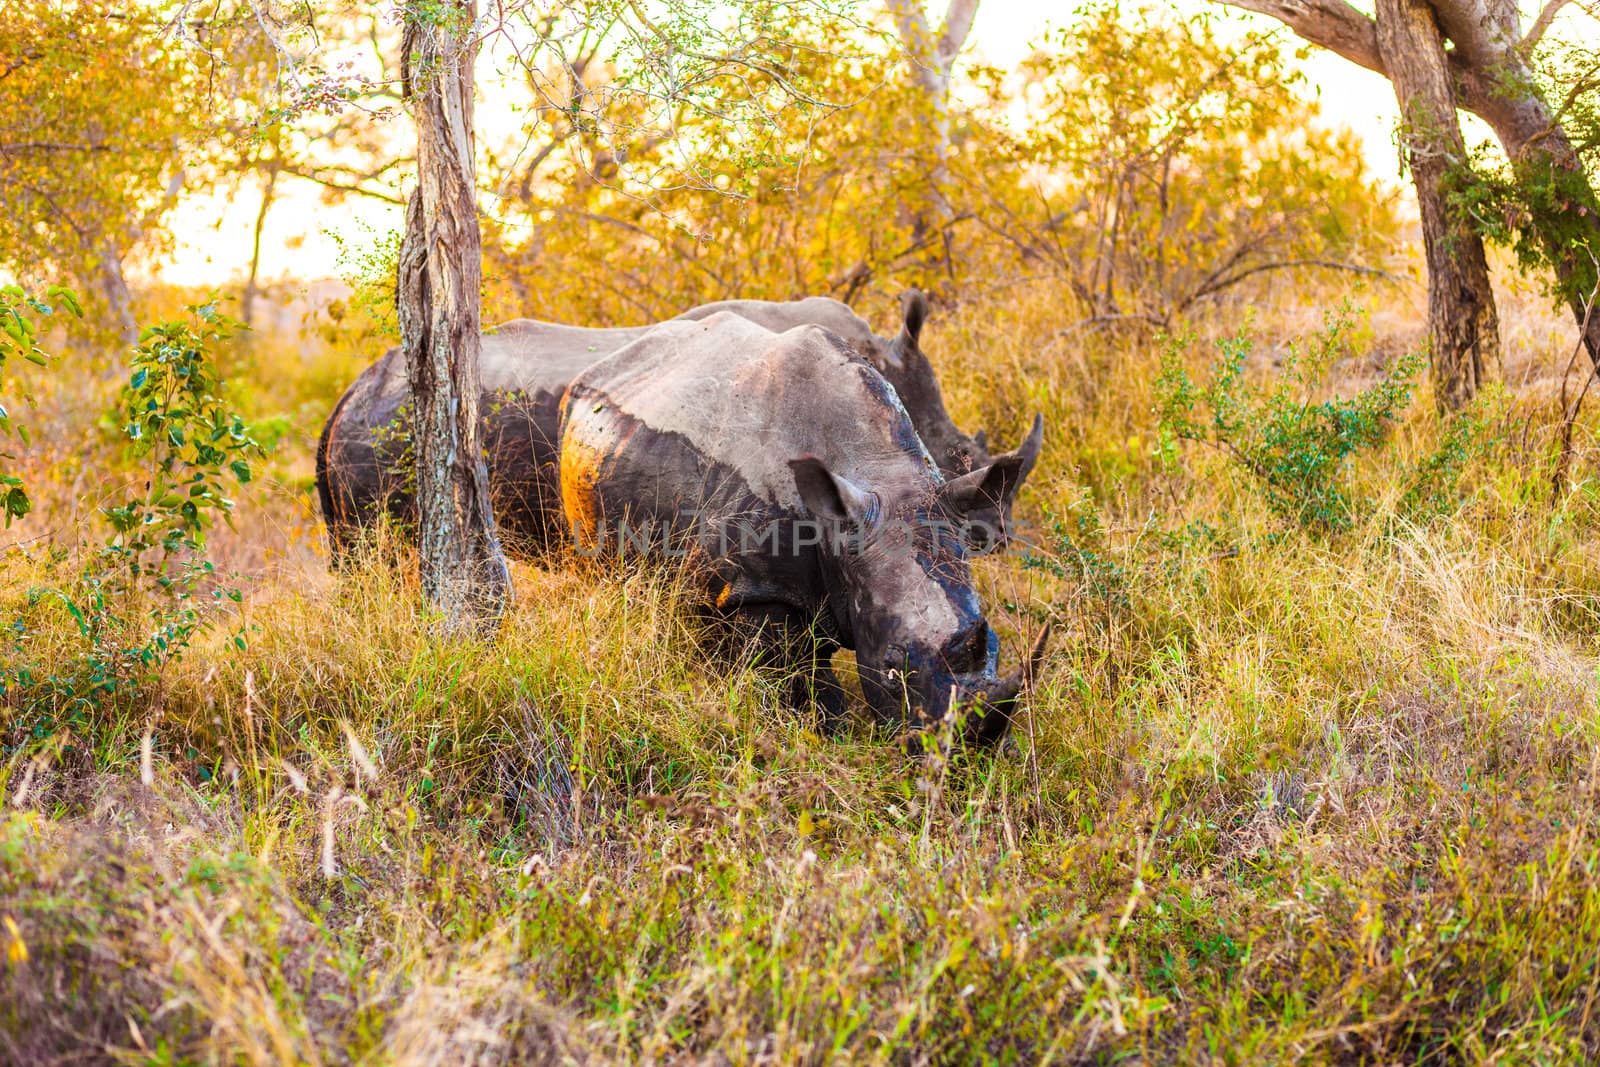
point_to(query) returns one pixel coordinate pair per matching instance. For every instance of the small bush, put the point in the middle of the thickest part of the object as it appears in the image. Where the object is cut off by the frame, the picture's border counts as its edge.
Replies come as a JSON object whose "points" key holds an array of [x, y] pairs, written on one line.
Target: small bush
{"points": [[19, 339], [135, 602], [1296, 448]]}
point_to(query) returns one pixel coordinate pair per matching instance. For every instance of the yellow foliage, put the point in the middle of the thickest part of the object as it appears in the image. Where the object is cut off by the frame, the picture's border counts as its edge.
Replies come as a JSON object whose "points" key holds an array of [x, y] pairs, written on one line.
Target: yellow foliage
{"points": [[1140, 162]]}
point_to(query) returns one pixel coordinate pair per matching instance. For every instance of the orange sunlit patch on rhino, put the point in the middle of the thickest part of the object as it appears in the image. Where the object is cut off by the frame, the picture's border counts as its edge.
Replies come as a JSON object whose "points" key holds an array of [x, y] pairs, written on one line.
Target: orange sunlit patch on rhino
{"points": [[594, 441], [580, 502]]}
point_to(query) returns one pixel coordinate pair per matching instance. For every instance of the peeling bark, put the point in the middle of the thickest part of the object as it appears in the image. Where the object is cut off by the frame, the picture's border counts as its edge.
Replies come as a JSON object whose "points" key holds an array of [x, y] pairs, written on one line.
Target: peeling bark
{"points": [[464, 573], [1463, 328]]}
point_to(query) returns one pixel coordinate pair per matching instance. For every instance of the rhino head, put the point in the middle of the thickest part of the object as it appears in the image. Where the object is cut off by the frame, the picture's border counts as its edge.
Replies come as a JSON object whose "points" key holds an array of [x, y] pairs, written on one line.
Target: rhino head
{"points": [[907, 368], [900, 585]]}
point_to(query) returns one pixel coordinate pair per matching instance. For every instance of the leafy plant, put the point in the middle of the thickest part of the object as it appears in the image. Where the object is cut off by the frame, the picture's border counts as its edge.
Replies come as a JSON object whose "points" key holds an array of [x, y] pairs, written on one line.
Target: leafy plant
{"points": [[136, 603], [178, 423], [1079, 551], [1433, 484], [367, 263], [1542, 204], [19, 339], [1297, 448]]}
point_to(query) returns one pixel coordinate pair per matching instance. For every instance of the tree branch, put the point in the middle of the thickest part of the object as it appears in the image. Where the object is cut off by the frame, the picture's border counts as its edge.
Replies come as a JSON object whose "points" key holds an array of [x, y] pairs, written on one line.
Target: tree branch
{"points": [[327, 182], [1331, 24], [1342, 29], [957, 26], [51, 146], [1542, 23], [911, 23], [1216, 285]]}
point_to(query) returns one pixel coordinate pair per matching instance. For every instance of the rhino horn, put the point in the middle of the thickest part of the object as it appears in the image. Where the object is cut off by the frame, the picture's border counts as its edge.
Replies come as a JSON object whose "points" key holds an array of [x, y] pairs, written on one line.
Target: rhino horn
{"points": [[1029, 450], [999, 702], [913, 313]]}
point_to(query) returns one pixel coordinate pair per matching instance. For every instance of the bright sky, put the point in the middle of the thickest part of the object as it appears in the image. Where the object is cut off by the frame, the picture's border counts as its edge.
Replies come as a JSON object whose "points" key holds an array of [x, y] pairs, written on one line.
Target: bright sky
{"points": [[214, 233]]}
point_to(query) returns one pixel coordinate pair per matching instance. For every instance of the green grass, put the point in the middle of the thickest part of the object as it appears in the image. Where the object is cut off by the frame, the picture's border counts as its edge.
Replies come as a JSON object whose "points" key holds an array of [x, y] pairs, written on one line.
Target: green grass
{"points": [[1279, 797]]}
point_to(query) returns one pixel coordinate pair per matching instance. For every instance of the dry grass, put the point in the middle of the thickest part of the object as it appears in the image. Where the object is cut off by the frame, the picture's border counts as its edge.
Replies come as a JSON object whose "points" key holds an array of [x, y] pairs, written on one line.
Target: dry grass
{"points": [[1280, 798]]}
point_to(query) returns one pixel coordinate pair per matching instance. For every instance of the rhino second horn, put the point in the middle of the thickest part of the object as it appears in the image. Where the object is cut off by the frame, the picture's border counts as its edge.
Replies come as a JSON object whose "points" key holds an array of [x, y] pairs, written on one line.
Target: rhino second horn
{"points": [[1036, 655], [999, 702], [1013, 685], [1029, 449]]}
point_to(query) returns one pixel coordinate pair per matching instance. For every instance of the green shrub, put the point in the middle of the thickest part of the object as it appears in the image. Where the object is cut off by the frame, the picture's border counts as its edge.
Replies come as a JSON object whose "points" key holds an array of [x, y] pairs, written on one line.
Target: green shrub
{"points": [[1078, 550], [1296, 447], [136, 602]]}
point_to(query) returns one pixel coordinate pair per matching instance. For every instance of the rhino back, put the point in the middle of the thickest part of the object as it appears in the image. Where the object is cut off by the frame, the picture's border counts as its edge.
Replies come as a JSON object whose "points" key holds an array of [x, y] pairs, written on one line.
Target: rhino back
{"points": [[529, 356], [743, 397], [780, 316], [355, 465]]}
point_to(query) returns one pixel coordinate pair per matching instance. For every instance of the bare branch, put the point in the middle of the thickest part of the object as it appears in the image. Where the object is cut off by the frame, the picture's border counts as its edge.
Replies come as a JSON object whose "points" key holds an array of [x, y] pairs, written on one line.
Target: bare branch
{"points": [[1216, 286], [1542, 23], [21, 61], [1331, 24], [50, 146], [321, 177], [1103, 320], [1345, 31]]}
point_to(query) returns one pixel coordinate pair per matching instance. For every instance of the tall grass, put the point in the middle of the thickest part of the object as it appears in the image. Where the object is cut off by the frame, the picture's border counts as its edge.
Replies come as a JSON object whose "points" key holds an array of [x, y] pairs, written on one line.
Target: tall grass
{"points": [[1276, 796]]}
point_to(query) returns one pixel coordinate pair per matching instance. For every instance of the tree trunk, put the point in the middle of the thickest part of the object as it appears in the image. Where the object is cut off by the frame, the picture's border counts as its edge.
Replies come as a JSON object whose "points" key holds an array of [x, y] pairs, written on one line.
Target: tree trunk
{"points": [[1493, 68], [119, 298], [464, 572], [252, 285], [1463, 329], [932, 59]]}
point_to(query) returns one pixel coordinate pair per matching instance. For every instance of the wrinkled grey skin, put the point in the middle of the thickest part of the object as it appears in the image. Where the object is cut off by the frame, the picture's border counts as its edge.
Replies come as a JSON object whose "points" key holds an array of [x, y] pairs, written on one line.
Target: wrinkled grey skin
{"points": [[706, 431], [902, 362], [525, 368]]}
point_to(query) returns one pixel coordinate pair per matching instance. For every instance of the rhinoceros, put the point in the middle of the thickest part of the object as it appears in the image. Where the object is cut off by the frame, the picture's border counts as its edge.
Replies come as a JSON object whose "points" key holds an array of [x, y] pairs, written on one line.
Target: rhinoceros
{"points": [[526, 366], [787, 467]]}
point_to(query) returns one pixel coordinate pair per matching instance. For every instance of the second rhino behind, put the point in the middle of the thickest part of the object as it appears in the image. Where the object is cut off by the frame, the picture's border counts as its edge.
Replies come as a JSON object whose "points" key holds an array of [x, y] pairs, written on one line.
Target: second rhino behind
{"points": [[526, 368]]}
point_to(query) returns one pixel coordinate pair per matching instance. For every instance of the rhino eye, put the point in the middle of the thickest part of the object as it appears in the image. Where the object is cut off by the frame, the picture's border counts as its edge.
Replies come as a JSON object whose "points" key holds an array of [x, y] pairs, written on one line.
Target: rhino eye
{"points": [[970, 648], [897, 664]]}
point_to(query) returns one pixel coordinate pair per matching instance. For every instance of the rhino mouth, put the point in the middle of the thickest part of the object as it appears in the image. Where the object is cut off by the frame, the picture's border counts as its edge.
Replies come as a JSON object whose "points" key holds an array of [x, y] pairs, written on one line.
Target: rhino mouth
{"points": [[991, 703]]}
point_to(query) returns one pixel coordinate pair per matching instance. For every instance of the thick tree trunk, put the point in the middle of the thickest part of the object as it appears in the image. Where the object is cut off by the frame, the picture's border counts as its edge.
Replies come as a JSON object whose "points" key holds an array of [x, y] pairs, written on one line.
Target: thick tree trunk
{"points": [[1463, 329], [464, 572], [1494, 70], [1488, 64]]}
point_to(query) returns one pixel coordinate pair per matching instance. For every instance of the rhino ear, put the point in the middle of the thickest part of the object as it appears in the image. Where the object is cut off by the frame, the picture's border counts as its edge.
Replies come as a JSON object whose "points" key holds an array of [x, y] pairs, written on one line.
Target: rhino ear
{"points": [[913, 313], [830, 496], [995, 486]]}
